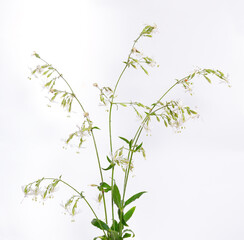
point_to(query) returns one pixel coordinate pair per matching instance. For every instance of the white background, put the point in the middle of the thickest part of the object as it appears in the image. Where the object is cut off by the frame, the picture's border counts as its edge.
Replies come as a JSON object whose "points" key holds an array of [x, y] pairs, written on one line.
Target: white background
{"points": [[194, 179]]}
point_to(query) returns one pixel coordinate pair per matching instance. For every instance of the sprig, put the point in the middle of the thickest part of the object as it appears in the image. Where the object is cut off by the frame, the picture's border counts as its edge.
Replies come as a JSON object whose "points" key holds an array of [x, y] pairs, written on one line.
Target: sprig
{"points": [[172, 113]]}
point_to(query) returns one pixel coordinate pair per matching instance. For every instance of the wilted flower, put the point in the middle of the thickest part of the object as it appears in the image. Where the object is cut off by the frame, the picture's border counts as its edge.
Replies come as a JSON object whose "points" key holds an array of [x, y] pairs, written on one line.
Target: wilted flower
{"points": [[39, 69], [86, 114]]}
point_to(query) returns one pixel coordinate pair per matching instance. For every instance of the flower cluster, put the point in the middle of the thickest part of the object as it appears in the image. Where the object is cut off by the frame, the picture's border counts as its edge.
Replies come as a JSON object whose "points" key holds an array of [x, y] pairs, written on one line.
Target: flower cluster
{"points": [[35, 189], [120, 160], [71, 205], [106, 94], [50, 75], [173, 114], [187, 83], [148, 30], [83, 131]]}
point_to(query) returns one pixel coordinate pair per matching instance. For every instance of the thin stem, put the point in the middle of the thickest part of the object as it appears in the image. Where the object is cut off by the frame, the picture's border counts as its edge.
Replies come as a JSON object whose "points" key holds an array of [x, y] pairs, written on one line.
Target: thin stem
{"points": [[111, 106], [137, 135], [110, 138], [94, 142], [101, 175], [110, 119], [80, 194]]}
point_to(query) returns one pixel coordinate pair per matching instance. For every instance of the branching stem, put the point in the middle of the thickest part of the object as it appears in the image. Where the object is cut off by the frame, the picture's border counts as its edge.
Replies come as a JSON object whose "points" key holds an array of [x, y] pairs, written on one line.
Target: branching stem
{"points": [[110, 119], [93, 137]]}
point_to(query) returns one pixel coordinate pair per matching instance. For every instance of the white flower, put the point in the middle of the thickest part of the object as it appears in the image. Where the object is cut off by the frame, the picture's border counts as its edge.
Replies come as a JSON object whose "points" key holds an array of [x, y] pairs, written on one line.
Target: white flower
{"points": [[39, 69], [152, 64], [179, 104], [155, 28]]}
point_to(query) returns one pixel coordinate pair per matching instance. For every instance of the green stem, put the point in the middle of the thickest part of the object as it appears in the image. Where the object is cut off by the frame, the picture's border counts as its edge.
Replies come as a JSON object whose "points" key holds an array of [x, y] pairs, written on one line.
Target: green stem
{"points": [[101, 175], [94, 142], [80, 194], [137, 135], [110, 138], [110, 120]]}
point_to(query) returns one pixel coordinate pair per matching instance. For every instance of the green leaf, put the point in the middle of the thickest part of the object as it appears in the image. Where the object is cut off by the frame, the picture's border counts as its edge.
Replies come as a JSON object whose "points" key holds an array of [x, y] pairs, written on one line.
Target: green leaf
{"points": [[116, 196], [95, 128], [109, 159], [101, 237], [99, 224], [133, 198], [138, 147], [109, 167], [115, 236], [129, 214], [115, 226], [122, 218], [104, 187], [124, 139], [126, 235], [129, 230]]}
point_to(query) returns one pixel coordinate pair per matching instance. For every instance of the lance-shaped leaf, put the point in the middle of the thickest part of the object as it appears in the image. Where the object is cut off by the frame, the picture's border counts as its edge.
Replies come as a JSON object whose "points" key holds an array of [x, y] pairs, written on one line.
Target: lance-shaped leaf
{"points": [[130, 231], [116, 196], [109, 167], [138, 147], [133, 198], [126, 235], [109, 160], [104, 187], [129, 214], [100, 224], [100, 237], [124, 139], [121, 217]]}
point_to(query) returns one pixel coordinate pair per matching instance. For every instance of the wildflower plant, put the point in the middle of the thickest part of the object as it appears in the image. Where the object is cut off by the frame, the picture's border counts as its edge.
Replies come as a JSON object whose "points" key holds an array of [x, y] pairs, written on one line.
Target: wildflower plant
{"points": [[171, 113]]}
